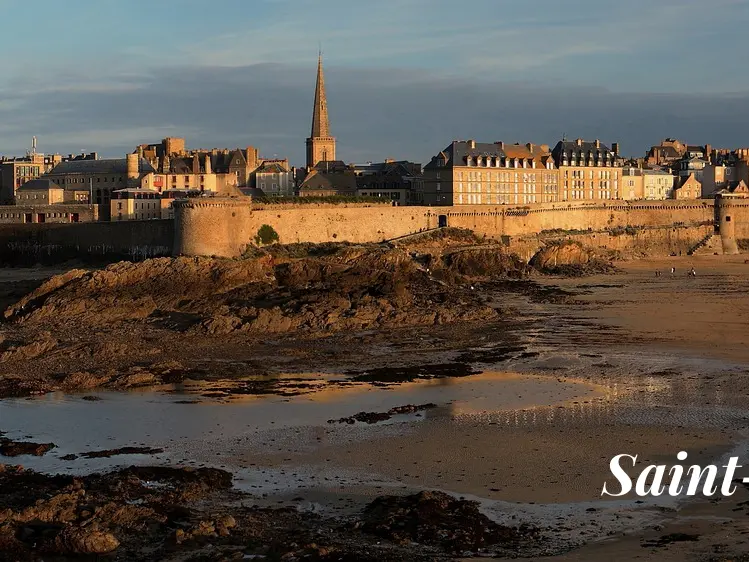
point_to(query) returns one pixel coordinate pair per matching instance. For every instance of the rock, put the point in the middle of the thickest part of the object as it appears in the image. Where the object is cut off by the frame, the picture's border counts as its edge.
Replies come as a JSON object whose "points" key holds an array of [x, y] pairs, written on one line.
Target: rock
{"points": [[10, 448], [436, 518], [85, 541]]}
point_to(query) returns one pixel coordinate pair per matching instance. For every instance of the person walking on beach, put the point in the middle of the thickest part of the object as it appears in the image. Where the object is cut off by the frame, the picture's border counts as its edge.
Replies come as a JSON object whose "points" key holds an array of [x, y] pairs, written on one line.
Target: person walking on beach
{"points": [[673, 271], [692, 272]]}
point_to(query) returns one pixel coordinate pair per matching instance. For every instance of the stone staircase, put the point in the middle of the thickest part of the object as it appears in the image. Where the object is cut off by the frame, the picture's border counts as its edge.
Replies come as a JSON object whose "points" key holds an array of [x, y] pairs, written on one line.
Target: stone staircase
{"points": [[709, 245]]}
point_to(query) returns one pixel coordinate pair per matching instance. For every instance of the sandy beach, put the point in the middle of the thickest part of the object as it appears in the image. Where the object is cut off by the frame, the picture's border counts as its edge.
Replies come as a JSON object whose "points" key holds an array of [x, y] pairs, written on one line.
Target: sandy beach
{"points": [[520, 414]]}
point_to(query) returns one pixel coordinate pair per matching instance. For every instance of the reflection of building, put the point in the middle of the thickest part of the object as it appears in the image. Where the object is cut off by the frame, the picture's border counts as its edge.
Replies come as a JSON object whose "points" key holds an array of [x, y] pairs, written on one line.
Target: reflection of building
{"points": [[471, 173], [588, 171], [320, 145]]}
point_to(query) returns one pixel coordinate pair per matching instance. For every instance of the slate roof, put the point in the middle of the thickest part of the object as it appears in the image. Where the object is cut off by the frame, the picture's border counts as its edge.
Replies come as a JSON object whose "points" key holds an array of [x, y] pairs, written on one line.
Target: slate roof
{"points": [[39, 185], [458, 152], [581, 151], [272, 168], [107, 166]]}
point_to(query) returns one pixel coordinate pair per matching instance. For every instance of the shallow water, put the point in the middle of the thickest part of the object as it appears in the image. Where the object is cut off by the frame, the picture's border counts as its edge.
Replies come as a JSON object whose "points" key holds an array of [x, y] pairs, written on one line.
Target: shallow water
{"points": [[189, 426]]}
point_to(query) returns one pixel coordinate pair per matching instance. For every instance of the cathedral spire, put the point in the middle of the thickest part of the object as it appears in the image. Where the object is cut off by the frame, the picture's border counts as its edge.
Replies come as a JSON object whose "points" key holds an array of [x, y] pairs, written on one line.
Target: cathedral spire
{"points": [[320, 145], [320, 125]]}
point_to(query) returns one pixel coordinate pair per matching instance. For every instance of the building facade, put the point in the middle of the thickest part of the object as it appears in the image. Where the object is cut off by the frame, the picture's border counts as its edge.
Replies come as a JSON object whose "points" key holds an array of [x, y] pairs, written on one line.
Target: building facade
{"points": [[93, 181], [588, 171], [275, 179], [471, 173], [657, 184], [398, 181], [633, 184]]}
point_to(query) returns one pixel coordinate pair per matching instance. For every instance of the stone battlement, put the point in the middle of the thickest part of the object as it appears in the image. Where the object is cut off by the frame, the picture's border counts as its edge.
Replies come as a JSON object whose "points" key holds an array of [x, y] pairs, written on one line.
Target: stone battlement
{"points": [[225, 227]]}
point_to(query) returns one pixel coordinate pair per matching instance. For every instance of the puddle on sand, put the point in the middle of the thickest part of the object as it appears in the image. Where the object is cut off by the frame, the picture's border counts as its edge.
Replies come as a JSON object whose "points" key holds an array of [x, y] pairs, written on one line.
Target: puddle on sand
{"points": [[191, 428]]}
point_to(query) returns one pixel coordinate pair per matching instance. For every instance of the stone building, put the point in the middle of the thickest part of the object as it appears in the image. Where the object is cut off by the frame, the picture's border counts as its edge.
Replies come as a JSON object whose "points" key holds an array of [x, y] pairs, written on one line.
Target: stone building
{"points": [[196, 172], [329, 178], [320, 144], [40, 192], [588, 171], [717, 177], [689, 188], [633, 184], [671, 150], [16, 171], [398, 181], [140, 204], [93, 181], [471, 173], [658, 184], [689, 166], [275, 179]]}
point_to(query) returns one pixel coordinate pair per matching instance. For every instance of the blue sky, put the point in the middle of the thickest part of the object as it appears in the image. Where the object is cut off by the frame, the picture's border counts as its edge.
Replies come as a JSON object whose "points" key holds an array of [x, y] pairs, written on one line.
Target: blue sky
{"points": [[105, 75]]}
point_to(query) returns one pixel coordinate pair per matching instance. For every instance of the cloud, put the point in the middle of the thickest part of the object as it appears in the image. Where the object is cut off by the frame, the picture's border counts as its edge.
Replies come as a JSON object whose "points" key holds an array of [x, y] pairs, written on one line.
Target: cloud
{"points": [[375, 113]]}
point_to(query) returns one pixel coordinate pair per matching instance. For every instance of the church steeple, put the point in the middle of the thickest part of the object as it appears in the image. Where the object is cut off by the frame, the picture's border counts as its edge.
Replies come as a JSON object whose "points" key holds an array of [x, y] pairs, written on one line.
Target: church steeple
{"points": [[320, 125], [320, 145]]}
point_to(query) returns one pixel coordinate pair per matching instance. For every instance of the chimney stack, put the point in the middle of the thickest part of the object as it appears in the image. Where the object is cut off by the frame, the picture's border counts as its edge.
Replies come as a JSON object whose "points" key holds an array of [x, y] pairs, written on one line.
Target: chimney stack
{"points": [[598, 143], [133, 167], [472, 143], [615, 148]]}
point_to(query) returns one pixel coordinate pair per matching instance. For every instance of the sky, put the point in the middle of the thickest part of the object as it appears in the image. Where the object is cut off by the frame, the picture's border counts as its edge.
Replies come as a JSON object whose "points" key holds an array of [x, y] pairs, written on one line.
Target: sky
{"points": [[403, 77]]}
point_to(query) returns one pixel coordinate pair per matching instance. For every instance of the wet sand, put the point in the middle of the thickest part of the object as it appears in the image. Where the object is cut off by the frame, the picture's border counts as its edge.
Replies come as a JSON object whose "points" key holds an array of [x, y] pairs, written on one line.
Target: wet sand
{"points": [[628, 363]]}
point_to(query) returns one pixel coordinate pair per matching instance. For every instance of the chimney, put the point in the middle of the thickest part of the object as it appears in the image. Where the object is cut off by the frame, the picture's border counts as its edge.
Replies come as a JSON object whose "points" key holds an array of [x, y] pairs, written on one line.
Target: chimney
{"points": [[133, 167], [500, 144], [208, 169], [598, 143], [530, 146], [579, 142], [615, 148], [472, 143]]}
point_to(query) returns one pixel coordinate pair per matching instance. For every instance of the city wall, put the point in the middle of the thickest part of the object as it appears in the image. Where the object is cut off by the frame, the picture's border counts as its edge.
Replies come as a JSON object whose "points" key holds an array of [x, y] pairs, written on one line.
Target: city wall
{"points": [[226, 227], [28, 244]]}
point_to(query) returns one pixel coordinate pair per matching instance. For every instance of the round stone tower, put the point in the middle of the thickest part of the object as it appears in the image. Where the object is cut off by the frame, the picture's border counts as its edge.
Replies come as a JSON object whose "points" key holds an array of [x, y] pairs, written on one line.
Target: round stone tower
{"points": [[212, 226], [727, 224]]}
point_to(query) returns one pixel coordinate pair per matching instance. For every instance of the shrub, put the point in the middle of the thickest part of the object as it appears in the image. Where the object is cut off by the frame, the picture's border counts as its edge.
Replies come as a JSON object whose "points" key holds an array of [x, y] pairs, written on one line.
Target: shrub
{"points": [[266, 234]]}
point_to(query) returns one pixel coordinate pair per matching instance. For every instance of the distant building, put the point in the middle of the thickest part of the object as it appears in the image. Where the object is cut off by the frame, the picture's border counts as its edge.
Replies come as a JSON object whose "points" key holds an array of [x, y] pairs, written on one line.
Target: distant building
{"points": [[398, 181], [328, 179], [689, 166], [658, 184], [670, 150], [16, 171], [471, 173], [275, 179], [716, 178], [145, 204], [588, 171], [93, 181], [689, 188], [40, 192], [633, 185]]}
